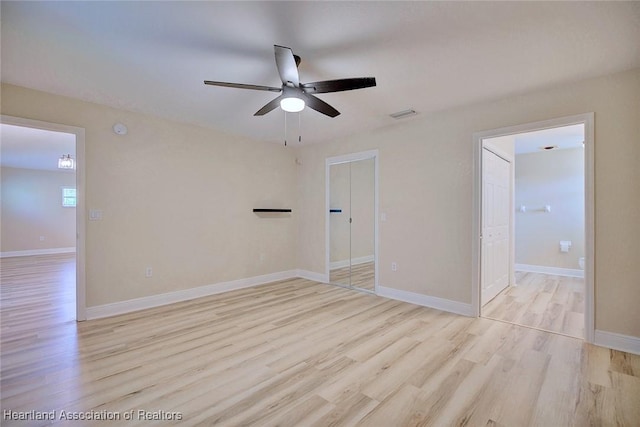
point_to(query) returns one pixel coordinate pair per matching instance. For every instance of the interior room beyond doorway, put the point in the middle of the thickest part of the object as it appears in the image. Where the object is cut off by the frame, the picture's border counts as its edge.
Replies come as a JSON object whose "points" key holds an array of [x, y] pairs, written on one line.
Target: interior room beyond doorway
{"points": [[546, 284]]}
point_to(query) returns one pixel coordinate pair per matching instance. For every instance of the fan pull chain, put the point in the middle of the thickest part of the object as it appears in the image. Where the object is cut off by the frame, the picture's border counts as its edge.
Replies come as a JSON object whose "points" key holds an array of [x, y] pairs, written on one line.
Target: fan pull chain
{"points": [[286, 128]]}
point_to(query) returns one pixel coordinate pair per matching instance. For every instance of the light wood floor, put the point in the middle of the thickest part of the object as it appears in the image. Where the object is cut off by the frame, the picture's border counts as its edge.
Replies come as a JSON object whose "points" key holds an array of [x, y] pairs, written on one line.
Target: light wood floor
{"points": [[299, 353], [362, 276], [548, 302]]}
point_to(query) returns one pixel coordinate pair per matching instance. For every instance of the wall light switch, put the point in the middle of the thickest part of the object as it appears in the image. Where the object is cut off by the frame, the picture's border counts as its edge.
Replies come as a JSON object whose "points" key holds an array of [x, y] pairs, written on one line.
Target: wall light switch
{"points": [[383, 217], [95, 215]]}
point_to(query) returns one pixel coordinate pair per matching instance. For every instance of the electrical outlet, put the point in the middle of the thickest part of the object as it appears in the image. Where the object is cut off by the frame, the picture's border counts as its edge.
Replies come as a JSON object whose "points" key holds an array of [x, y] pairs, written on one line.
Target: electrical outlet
{"points": [[394, 266], [148, 272], [42, 238]]}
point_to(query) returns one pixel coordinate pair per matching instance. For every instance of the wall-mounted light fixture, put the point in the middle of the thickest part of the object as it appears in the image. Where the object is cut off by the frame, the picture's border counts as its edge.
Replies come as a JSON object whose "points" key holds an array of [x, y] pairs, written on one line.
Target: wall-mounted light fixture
{"points": [[66, 162]]}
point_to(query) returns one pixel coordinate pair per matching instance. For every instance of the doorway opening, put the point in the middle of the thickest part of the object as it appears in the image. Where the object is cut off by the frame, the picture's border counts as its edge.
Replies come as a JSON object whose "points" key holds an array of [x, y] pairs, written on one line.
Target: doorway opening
{"points": [[351, 221], [533, 225], [42, 243]]}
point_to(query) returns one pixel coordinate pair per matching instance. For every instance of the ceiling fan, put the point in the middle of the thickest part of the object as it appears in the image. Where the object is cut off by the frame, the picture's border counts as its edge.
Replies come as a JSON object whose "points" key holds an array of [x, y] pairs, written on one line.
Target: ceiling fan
{"points": [[296, 95]]}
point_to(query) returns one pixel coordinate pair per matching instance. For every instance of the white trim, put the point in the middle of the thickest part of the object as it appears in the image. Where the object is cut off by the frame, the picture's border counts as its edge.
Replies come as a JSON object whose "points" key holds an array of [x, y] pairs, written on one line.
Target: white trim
{"points": [[32, 252], [122, 307], [339, 264], [589, 231], [313, 276], [353, 157], [427, 301], [556, 271], [354, 261], [376, 234], [588, 120], [80, 199], [626, 343], [363, 155]]}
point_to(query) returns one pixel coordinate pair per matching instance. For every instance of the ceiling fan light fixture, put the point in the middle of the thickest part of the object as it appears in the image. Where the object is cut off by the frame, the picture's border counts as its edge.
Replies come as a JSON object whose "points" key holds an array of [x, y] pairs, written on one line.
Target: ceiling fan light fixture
{"points": [[292, 104], [295, 96]]}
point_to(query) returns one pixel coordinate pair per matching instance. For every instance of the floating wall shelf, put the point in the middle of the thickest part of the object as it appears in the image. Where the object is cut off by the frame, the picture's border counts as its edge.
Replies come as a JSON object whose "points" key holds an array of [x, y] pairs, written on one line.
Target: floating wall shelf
{"points": [[272, 210]]}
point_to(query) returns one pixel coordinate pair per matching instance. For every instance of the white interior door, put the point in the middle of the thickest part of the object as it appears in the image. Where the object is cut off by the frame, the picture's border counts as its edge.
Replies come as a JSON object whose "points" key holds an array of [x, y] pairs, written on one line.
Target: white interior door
{"points": [[496, 211]]}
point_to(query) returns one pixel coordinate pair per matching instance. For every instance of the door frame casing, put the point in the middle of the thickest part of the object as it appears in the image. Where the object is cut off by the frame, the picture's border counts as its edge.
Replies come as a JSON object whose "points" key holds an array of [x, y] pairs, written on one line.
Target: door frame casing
{"points": [[348, 158], [81, 307], [587, 119]]}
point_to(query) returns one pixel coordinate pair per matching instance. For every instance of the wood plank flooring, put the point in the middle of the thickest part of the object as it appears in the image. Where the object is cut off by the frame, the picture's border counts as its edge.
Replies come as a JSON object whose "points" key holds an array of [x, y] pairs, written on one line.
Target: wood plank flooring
{"points": [[299, 353], [548, 302], [362, 276]]}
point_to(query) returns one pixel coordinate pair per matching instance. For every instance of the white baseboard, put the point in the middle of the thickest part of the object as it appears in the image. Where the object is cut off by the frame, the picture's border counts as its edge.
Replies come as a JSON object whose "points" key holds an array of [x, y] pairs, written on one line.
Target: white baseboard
{"points": [[32, 252], [152, 301], [556, 271], [354, 261], [615, 341], [313, 276], [426, 301]]}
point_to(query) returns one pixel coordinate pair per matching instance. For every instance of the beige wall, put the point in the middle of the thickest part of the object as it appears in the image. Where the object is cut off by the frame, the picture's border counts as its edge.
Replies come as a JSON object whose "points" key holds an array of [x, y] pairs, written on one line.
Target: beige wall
{"points": [[32, 208], [175, 197], [554, 178], [426, 180], [178, 197]]}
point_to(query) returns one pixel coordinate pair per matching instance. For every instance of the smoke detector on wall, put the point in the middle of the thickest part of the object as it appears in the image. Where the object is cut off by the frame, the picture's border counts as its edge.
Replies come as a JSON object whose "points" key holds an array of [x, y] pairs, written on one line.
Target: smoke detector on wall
{"points": [[120, 129]]}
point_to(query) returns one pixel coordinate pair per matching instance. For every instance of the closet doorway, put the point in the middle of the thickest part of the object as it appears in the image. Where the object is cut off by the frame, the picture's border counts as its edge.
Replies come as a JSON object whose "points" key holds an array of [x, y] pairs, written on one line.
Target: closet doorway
{"points": [[352, 221]]}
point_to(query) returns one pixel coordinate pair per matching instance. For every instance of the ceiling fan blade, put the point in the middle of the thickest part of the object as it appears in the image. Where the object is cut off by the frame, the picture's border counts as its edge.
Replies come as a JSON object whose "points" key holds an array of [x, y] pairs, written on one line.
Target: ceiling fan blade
{"points": [[243, 86], [319, 105], [287, 68], [270, 106], [338, 85]]}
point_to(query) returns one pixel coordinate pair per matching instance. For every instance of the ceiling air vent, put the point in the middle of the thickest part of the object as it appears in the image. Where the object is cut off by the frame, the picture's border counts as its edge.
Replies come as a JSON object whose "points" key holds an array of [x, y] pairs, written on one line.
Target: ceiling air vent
{"points": [[403, 114]]}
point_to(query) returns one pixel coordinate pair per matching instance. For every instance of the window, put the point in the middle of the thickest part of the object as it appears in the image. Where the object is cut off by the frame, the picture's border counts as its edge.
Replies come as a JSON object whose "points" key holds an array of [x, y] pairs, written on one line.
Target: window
{"points": [[68, 197]]}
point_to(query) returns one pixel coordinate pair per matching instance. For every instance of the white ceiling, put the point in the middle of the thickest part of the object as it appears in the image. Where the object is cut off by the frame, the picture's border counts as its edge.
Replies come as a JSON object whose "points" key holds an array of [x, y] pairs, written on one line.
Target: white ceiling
{"points": [[152, 57], [563, 138], [28, 148]]}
